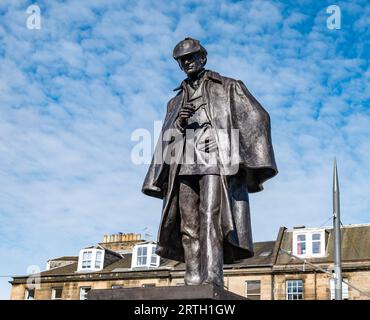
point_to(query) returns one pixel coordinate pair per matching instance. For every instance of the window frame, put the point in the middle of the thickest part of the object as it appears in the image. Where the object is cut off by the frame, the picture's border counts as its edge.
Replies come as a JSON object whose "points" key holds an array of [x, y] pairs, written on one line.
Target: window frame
{"points": [[309, 243], [142, 256], [345, 289], [91, 259], [153, 255], [288, 294], [148, 260], [85, 293], [301, 242], [88, 260], [27, 294], [99, 261], [53, 293], [252, 296]]}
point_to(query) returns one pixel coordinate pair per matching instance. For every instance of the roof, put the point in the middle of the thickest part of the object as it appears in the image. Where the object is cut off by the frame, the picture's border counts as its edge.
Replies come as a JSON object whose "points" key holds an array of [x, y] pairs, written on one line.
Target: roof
{"points": [[65, 258], [64, 270], [263, 256]]}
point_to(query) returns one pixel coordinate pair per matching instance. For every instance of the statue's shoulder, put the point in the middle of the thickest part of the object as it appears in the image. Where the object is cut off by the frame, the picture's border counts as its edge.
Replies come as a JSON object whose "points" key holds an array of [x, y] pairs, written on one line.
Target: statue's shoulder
{"points": [[218, 78]]}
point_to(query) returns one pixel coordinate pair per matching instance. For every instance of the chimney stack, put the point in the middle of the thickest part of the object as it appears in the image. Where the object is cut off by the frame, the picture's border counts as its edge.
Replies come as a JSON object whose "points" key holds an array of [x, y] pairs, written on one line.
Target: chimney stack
{"points": [[122, 237]]}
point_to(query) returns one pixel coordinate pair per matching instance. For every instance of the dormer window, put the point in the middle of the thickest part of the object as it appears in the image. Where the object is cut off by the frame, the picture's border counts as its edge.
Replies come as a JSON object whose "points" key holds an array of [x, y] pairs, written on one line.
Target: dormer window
{"points": [[86, 260], [144, 256], [309, 243], [91, 260]]}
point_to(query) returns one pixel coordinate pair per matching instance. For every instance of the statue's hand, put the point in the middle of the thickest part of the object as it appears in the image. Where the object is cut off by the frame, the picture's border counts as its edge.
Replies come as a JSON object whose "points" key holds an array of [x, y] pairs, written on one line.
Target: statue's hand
{"points": [[185, 113]]}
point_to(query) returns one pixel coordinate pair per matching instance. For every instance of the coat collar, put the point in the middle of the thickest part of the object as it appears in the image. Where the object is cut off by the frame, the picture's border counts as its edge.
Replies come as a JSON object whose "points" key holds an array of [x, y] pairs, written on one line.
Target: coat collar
{"points": [[211, 75]]}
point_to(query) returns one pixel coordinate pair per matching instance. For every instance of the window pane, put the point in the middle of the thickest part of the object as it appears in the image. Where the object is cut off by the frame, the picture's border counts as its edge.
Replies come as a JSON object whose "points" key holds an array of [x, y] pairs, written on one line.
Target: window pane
{"points": [[56, 293], [153, 259], [142, 256], [254, 287], [316, 247], [98, 259], [294, 290], [301, 247], [301, 237], [141, 261], [316, 236], [86, 259]]}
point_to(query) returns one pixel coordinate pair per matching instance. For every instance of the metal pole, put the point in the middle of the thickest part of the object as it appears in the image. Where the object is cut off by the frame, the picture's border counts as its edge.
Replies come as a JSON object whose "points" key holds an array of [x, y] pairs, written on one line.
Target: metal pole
{"points": [[337, 236]]}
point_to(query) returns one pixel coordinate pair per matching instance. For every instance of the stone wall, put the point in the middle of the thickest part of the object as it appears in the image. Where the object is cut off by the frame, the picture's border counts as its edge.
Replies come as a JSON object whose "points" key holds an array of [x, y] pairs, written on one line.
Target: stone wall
{"points": [[316, 285]]}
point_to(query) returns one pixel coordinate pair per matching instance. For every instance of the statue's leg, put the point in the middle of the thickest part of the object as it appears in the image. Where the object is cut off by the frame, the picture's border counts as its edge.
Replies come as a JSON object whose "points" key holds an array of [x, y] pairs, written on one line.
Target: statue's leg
{"points": [[189, 212], [211, 239]]}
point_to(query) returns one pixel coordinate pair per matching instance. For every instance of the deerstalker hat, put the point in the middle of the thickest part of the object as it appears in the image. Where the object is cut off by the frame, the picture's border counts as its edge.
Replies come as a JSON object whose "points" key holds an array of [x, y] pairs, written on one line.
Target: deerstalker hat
{"points": [[186, 46]]}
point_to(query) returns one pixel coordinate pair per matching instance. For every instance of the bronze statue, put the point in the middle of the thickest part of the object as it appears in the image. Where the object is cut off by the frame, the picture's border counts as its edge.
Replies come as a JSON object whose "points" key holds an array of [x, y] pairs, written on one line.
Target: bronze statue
{"points": [[206, 219]]}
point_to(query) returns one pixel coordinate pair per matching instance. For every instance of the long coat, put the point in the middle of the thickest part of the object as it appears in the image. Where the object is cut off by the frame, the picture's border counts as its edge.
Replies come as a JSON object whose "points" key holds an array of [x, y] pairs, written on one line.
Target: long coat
{"points": [[230, 106]]}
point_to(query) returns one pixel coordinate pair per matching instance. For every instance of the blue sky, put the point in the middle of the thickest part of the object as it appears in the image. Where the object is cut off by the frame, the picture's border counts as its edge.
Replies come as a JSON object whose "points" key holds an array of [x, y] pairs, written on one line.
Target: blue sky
{"points": [[72, 93]]}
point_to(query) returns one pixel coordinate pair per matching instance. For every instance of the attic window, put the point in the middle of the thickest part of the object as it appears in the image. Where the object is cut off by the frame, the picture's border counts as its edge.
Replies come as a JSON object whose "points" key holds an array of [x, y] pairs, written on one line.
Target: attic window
{"points": [[144, 256], [91, 260], [309, 243]]}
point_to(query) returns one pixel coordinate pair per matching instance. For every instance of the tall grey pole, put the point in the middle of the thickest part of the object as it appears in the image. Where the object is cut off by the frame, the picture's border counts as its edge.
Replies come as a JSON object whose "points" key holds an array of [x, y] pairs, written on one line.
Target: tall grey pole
{"points": [[337, 236]]}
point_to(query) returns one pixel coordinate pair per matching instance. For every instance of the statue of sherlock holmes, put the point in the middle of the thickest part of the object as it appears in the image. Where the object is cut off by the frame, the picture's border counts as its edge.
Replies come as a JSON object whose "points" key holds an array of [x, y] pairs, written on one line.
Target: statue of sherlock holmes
{"points": [[214, 148]]}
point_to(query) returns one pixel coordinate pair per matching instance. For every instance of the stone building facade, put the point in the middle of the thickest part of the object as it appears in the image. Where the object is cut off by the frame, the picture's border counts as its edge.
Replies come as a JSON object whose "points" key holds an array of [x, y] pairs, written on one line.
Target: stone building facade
{"points": [[288, 268]]}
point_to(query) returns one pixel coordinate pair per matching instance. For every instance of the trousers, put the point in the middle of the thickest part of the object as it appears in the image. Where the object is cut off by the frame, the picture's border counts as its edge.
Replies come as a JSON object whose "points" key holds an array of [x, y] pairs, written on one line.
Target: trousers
{"points": [[202, 239]]}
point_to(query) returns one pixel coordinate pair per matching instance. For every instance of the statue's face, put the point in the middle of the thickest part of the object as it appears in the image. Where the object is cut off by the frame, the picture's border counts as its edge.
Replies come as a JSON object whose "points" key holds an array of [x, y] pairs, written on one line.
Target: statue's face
{"points": [[192, 63]]}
